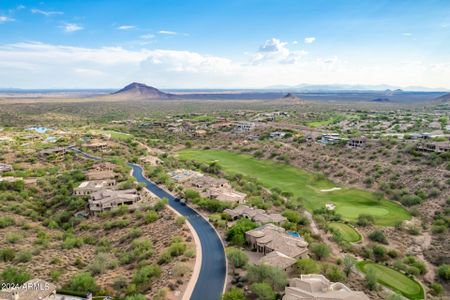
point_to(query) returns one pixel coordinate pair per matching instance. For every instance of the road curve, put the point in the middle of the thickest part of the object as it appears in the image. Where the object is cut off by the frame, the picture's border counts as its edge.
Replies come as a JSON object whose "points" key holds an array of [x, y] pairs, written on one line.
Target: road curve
{"points": [[210, 282]]}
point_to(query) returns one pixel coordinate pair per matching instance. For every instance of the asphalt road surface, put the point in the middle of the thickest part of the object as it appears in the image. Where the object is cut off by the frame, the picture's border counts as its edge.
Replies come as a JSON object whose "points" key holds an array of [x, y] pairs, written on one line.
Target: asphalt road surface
{"points": [[211, 279]]}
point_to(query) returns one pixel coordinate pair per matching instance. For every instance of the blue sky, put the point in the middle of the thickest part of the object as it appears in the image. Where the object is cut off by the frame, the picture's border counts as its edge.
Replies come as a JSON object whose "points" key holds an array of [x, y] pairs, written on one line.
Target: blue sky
{"points": [[247, 43]]}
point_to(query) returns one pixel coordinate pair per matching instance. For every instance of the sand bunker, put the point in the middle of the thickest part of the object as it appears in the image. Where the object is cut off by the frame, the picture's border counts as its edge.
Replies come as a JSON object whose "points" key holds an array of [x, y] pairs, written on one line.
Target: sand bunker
{"points": [[330, 190]]}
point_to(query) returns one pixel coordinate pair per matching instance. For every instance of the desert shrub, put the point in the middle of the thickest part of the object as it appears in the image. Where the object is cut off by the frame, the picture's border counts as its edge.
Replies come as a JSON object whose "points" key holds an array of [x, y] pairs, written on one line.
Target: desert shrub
{"points": [[14, 275], [307, 266], [101, 263], [7, 254], [365, 220], [146, 274], [6, 221], [320, 250], [180, 220], [275, 277], [263, 291], [82, 283], [236, 233], [24, 256], [378, 236], [151, 216], [444, 272], [234, 294]]}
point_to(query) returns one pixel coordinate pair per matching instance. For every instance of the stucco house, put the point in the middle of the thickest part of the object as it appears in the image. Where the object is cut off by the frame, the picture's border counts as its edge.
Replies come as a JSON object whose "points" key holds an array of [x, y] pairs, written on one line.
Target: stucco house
{"points": [[318, 287], [269, 237]]}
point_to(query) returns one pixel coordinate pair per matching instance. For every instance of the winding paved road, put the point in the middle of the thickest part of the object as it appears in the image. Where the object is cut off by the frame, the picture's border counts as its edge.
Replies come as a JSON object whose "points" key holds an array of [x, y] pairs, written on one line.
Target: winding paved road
{"points": [[211, 279]]}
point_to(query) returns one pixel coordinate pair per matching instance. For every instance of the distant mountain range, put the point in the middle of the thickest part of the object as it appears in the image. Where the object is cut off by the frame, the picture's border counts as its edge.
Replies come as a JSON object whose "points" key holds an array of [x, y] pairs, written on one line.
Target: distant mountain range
{"points": [[444, 98], [351, 87], [140, 91]]}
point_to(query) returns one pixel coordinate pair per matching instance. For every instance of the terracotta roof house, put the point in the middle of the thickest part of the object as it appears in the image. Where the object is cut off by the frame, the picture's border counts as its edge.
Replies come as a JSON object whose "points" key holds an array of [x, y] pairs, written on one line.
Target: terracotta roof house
{"points": [[208, 182], [318, 287], [104, 166], [100, 175], [227, 195], [5, 168], [279, 260], [151, 160], [97, 146], [57, 152], [89, 187], [255, 214], [269, 237], [182, 175], [109, 199], [35, 289]]}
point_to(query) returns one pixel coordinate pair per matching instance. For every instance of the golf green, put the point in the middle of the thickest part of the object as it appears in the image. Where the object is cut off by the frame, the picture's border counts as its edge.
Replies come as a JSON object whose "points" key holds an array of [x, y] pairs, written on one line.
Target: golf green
{"points": [[348, 233], [349, 202], [395, 280]]}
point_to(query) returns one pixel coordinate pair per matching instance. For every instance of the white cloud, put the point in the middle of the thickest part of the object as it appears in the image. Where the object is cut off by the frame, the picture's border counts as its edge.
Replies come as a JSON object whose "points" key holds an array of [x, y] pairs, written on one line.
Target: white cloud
{"points": [[407, 34], [46, 13], [309, 40], [72, 27], [147, 36], [4, 19], [167, 32], [294, 42], [126, 27], [274, 50], [40, 65]]}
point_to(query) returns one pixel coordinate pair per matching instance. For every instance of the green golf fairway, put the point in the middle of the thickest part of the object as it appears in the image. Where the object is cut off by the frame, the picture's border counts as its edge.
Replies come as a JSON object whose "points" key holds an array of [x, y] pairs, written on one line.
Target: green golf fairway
{"points": [[350, 202], [348, 233], [396, 281]]}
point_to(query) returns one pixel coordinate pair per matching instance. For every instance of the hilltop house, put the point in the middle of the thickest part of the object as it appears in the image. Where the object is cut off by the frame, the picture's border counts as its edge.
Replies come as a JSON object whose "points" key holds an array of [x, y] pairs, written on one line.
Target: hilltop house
{"points": [[35, 289], [269, 237], [255, 214], [215, 188], [227, 195], [89, 187], [279, 260], [318, 287], [183, 175], [207, 182], [437, 147], [330, 138], [277, 135], [153, 161], [244, 126], [5, 168], [102, 171], [109, 199], [357, 142], [58, 153], [97, 146]]}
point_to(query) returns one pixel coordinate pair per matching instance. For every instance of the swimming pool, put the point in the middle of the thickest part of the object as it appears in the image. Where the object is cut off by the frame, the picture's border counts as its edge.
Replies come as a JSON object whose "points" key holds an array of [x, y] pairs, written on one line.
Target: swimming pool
{"points": [[293, 233], [39, 129]]}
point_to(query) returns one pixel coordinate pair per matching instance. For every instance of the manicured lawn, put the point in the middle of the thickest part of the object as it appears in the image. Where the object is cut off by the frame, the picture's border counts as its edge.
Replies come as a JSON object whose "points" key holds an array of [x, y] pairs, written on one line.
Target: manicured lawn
{"points": [[349, 202], [121, 136], [348, 233], [394, 280], [315, 124]]}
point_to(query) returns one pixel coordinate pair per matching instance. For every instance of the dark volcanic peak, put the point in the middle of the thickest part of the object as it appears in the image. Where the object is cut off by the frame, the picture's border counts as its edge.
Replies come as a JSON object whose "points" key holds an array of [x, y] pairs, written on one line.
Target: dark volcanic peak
{"points": [[142, 91], [291, 98]]}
